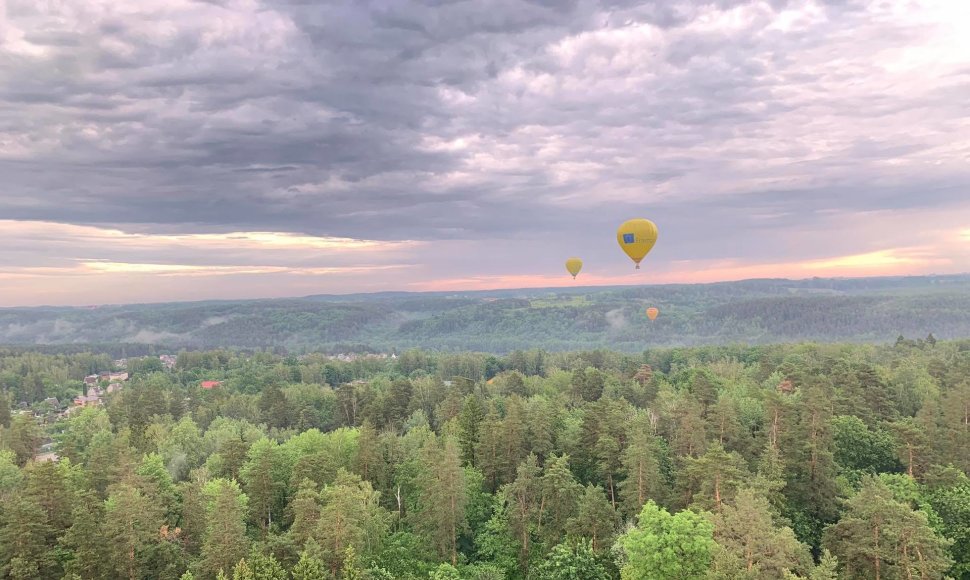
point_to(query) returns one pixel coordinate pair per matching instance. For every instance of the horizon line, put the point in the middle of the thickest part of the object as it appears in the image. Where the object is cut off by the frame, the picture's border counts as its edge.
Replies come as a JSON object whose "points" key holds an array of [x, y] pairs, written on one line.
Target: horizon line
{"points": [[501, 289]]}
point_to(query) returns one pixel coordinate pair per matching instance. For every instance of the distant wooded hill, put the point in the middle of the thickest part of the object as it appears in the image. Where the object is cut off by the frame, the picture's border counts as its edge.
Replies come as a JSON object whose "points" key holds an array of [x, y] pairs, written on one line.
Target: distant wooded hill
{"points": [[752, 311]]}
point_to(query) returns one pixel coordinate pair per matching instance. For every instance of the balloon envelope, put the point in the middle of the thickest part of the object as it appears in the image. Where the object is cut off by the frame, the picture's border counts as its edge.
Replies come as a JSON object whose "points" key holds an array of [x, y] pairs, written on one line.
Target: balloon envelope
{"points": [[574, 265], [637, 237], [652, 313]]}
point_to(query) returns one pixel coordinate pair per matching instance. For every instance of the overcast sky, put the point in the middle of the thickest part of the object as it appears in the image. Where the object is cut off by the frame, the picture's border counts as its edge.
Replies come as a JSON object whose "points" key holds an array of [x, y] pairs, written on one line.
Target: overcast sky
{"points": [[176, 149]]}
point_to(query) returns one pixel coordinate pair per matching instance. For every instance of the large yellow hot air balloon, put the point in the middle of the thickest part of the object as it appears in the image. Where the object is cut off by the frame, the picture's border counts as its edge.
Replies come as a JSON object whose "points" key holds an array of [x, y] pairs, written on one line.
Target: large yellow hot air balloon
{"points": [[652, 313], [573, 266], [637, 237]]}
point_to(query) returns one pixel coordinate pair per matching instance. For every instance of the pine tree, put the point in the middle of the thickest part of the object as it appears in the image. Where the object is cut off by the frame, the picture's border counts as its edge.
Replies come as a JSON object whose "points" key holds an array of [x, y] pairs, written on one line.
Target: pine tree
{"points": [[725, 426], [714, 477], [641, 470], [11, 478], [809, 453], [48, 485], [225, 542], [306, 513], [608, 463], [23, 438], [542, 426], [309, 568], [440, 515], [559, 500], [350, 517], [469, 425], [513, 437], [233, 452], [644, 375], [24, 551], [879, 537], [399, 401], [131, 525], [826, 569], [274, 407], [521, 499], [488, 450], [108, 461], [770, 479], [515, 384], [5, 417], [156, 483], [689, 428], [350, 568], [192, 516], [956, 425], [779, 418], [912, 446], [264, 482], [751, 545], [243, 571], [368, 459], [266, 567], [595, 519], [85, 539]]}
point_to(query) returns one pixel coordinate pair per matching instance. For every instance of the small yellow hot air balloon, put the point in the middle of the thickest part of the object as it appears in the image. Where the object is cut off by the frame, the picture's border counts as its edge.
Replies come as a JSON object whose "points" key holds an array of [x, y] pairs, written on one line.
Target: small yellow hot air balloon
{"points": [[652, 313], [573, 266], [637, 237]]}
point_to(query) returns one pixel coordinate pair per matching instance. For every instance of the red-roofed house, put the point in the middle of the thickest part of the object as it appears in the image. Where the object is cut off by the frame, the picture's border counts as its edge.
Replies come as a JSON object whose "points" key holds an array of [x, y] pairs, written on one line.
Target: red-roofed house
{"points": [[210, 384]]}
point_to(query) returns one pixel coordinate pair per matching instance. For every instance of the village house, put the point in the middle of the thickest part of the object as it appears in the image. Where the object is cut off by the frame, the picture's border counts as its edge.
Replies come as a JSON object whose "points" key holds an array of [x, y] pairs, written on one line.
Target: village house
{"points": [[168, 361], [87, 401], [210, 384]]}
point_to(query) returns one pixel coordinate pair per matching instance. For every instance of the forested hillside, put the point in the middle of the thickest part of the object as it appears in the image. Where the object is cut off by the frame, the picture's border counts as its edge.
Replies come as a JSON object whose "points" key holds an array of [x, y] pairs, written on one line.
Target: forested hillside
{"points": [[780, 461], [754, 312]]}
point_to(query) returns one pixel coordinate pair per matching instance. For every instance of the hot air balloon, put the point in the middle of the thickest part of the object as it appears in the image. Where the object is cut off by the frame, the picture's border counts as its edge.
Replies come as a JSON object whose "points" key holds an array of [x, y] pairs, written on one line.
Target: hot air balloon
{"points": [[637, 237], [652, 313], [573, 266]]}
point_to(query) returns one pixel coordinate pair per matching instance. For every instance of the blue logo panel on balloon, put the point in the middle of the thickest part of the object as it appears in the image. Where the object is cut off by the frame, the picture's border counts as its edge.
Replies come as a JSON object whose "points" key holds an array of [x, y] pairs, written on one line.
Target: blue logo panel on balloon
{"points": [[628, 238]]}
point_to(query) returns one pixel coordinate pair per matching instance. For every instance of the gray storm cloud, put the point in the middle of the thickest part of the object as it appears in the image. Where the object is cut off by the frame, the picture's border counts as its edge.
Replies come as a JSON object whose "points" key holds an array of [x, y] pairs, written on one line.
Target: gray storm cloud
{"points": [[514, 124]]}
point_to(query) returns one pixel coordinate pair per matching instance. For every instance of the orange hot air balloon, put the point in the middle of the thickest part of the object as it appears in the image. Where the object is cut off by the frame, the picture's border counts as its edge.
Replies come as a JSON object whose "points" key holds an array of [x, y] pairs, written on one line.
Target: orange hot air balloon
{"points": [[652, 313]]}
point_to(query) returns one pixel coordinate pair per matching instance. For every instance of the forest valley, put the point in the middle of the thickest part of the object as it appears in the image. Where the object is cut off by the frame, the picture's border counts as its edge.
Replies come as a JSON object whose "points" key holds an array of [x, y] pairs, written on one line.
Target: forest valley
{"points": [[811, 461]]}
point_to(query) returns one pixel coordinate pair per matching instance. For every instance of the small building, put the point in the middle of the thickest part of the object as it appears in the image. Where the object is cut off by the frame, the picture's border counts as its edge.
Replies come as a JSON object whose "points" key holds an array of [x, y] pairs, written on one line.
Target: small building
{"points": [[210, 384], [114, 388], [91, 380], [87, 401]]}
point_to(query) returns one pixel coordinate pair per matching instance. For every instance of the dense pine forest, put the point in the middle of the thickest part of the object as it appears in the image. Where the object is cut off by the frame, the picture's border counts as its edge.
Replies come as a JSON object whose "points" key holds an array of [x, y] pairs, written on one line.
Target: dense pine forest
{"points": [[754, 312], [782, 461]]}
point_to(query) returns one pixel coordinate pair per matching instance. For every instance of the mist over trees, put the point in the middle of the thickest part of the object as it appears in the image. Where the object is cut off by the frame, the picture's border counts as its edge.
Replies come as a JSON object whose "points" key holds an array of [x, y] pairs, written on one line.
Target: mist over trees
{"points": [[753, 312]]}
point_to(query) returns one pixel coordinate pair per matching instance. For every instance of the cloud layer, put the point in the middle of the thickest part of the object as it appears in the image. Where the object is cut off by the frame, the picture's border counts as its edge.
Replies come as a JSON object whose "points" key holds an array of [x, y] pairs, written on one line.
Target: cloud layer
{"points": [[432, 144]]}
